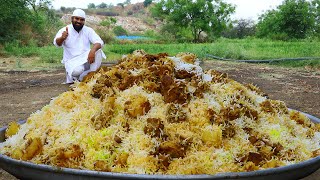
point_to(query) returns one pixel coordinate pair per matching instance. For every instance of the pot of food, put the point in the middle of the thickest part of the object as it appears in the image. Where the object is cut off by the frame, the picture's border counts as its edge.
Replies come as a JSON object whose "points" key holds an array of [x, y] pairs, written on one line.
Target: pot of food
{"points": [[161, 117], [27, 170]]}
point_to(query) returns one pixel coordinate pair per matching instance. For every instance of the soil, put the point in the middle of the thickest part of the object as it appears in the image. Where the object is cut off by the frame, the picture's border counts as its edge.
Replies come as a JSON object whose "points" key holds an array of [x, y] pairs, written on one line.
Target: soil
{"points": [[22, 93]]}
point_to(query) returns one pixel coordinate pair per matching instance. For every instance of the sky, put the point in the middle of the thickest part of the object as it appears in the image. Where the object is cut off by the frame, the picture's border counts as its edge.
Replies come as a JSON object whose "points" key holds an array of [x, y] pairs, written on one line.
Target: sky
{"points": [[245, 9]]}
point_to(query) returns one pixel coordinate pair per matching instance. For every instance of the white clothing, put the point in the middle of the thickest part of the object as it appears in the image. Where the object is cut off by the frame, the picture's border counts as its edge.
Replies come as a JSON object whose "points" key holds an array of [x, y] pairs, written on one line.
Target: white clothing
{"points": [[78, 44], [77, 71], [78, 67]]}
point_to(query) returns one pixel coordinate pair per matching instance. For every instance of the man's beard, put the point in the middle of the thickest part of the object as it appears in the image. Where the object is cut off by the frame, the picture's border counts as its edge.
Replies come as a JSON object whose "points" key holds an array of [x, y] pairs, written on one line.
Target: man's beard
{"points": [[77, 27]]}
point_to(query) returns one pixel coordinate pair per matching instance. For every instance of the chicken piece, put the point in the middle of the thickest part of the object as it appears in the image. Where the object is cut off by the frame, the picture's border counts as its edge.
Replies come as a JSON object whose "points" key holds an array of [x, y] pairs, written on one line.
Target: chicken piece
{"points": [[122, 159], [183, 74], [129, 81], [160, 70], [153, 58], [256, 158], [164, 161], [256, 89], [253, 139], [316, 153], [300, 118], [33, 148], [72, 151], [12, 129], [173, 92], [154, 127], [251, 113], [101, 90], [88, 77], [102, 120], [273, 106], [137, 106], [266, 152], [277, 148], [187, 57], [201, 88], [173, 149], [218, 77], [101, 166], [117, 139], [230, 113]]}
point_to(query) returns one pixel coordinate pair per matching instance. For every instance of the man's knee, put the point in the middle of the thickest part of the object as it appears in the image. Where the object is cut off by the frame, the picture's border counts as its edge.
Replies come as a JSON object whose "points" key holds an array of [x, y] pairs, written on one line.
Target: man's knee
{"points": [[77, 71]]}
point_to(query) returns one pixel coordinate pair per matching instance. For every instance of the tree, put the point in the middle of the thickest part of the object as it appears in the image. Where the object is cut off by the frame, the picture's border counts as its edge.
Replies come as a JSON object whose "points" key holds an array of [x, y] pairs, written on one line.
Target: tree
{"points": [[63, 9], [27, 21], [146, 3], [102, 5], [121, 4], [315, 8], [127, 2], [12, 16], [292, 19], [37, 5], [210, 16], [242, 28], [91, 6]]}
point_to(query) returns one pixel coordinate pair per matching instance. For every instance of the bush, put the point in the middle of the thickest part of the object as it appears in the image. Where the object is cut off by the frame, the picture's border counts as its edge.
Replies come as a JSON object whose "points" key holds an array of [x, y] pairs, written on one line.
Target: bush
{"points": [[150, 33], [129, 13], [279, 36], [106, 36], [148, 20], [13, 15], [36, 26], [108, 22], [119, 31]]}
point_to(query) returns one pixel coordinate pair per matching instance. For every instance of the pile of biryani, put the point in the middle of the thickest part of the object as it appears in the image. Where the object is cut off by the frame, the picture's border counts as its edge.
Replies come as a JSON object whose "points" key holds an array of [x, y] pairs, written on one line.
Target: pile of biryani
{"points": [[156, 114]]}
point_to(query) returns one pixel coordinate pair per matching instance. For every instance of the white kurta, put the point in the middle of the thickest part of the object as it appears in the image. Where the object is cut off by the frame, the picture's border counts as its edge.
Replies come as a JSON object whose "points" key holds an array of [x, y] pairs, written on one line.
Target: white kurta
{"points": [[76, 46]]}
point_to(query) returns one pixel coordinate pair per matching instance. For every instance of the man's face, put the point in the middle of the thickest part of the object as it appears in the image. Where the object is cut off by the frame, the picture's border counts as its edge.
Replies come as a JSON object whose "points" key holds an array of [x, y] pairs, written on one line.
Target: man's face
{"points": [[77, 22]]}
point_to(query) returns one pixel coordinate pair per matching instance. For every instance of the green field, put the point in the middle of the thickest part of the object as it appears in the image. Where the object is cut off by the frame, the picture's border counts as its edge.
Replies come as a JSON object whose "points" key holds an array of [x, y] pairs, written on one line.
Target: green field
{"points": [[245, 49]]}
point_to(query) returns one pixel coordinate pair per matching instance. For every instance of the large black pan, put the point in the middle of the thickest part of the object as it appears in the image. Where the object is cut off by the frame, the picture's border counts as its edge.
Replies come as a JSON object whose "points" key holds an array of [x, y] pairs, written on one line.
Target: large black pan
{"points": [[27, 170]]}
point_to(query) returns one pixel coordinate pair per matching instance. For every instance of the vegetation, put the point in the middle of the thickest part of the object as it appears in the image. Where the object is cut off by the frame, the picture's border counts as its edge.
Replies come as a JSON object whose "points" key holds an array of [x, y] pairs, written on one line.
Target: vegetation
{"points": [[119, 31], [292, 19], [27, 22], [242, 28], [209, 16], [240, 49], [290, 30]]}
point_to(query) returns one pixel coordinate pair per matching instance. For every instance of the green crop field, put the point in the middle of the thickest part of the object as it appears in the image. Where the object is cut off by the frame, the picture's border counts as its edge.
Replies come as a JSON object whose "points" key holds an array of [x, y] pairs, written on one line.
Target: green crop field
{"points": [[245, 49]]}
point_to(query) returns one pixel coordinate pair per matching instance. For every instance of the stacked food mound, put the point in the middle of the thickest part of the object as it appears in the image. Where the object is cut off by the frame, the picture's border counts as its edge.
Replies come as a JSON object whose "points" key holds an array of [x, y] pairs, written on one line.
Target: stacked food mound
{"points": [[155, 114]]}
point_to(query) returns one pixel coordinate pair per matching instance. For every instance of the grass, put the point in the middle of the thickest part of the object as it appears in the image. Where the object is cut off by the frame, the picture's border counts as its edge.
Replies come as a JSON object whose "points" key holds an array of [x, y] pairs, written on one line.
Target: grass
{"points": [[244, 49]]}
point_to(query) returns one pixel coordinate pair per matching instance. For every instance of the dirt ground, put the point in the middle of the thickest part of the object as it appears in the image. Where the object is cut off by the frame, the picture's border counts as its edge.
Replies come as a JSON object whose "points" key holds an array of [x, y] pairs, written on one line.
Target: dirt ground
{"points": [[22, 93]]}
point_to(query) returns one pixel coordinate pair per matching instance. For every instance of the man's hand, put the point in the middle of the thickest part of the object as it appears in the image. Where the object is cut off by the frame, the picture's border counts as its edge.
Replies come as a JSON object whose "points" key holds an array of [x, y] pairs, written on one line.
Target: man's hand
{"points": [[91, 56], [65, 34], [63, 37], [92, 53]]}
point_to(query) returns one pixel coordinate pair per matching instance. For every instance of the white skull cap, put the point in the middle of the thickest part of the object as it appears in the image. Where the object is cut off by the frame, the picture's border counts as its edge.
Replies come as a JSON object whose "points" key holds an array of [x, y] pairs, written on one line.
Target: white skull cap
{"points": [[79, 13]]}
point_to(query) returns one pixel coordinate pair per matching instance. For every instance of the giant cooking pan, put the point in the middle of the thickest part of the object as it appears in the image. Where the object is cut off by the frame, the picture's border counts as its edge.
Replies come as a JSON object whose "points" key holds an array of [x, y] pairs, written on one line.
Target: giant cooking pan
{"points": [[27, 170]]}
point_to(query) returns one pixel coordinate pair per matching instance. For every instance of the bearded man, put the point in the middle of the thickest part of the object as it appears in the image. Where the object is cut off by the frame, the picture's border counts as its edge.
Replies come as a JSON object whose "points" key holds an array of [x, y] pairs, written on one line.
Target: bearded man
{"points": [[78, 57]]}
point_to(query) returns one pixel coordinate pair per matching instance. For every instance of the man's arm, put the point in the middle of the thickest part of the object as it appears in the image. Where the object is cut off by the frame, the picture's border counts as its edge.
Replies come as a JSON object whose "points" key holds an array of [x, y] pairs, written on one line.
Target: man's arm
{"points": [[92, 53], [64, 36]]}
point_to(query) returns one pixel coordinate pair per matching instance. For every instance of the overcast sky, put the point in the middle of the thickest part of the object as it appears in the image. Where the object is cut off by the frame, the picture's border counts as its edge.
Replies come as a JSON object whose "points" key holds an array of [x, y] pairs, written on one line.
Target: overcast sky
{"points": [[244, 8]]}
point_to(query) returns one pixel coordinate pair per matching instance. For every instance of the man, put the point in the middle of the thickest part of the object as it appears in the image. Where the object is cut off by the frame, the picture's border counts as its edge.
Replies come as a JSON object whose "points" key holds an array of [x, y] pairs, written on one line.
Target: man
{"points": [[79, 59]]}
